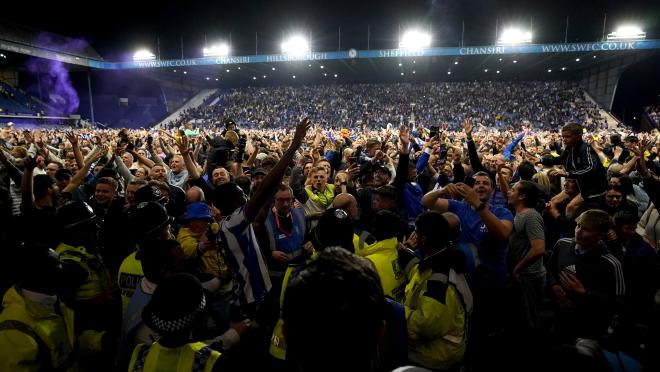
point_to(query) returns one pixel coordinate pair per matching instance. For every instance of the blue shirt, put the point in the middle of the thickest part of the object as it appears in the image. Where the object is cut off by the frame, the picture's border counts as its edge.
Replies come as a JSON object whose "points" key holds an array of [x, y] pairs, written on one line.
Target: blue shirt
{"points": [[491, 252]]}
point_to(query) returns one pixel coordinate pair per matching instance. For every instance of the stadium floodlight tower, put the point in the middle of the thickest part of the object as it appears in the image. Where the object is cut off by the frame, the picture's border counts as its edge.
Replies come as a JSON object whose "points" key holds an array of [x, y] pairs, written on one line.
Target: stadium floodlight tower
{"points": [[296, 44], [415, 39], [628, 32], [217, 50], [143, 55], [513, 36]]}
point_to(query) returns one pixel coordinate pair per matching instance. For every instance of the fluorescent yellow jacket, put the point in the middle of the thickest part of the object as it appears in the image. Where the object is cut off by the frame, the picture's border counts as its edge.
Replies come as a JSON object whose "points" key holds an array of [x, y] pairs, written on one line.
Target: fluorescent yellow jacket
{"points": [[211, 262], [437, 306], [385, 258], [98, 277], [195, 356], [130, 274], [34, 338]]}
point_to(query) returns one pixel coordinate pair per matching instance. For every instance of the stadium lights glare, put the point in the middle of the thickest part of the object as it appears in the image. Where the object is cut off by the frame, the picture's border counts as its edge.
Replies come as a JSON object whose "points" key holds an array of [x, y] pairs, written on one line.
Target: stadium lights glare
{"points": [[217, 50], [515, 36], [295, 45], [628, 32], [414, 39], [144, 55]]}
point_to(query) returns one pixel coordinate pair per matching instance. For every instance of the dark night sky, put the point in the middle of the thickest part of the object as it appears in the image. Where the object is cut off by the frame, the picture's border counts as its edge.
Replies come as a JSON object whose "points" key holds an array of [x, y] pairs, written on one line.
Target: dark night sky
{"points": [[118, 27]]}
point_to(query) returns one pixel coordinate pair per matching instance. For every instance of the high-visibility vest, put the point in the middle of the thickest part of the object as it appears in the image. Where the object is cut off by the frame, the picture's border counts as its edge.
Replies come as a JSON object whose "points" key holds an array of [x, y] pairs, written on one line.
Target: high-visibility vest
{"points": [[22, 323], [98, 277], [385, 258], [437, 351], [195, 357], [278, 341], [130, 274]]}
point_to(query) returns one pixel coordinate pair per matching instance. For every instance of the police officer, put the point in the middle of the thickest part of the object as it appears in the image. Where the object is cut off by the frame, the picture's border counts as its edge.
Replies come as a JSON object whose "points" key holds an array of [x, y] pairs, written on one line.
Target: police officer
{"points": [[88, 282], [36, 328], [438, 300], [150, 222], [175, 306]]}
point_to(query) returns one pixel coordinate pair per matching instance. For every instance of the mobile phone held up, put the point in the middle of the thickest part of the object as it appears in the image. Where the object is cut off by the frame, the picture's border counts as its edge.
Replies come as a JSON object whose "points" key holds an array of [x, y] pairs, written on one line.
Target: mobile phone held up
{"points": [[433, 131]]}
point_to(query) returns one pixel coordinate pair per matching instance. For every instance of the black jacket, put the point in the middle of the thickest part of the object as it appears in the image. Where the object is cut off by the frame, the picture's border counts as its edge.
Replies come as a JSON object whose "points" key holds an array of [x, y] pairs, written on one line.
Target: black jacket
{"points": [[582, 162]]}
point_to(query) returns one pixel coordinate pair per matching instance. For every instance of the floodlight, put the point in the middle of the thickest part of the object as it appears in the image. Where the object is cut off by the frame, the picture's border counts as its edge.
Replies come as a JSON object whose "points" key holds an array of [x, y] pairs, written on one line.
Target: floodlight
{"points": [[295, 45], [144, 55], [515, 36], [628, 32], [414, 39], [217, 50]]}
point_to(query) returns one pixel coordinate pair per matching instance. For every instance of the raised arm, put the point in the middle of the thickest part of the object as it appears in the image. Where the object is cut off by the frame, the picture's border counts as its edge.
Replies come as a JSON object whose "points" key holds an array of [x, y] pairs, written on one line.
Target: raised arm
{"points": [[73, 140], [184, 149], [26, 184], [80, 175], [271, 180]]}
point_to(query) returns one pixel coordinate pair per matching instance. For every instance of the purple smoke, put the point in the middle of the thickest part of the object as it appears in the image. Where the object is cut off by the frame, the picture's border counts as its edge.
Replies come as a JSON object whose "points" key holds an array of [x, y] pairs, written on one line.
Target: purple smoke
{"points": [[56, 87]]}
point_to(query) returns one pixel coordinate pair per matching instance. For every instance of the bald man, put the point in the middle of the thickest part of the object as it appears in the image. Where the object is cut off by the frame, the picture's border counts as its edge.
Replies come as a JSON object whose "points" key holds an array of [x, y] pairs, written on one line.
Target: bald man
{"points": [[348, 203]]}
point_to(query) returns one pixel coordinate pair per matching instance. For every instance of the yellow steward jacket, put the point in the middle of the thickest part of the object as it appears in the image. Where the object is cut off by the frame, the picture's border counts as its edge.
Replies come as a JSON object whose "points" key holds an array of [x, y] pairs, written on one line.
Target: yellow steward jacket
{"points": [[195, 356], [33, 337], [385, 258], [437, 306]]}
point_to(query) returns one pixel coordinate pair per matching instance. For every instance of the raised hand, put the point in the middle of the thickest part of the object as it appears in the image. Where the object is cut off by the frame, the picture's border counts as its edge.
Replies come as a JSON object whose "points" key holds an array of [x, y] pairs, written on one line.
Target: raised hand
{"points": [[467, 127], [301, 132], [182, 144], [72, 138], [404, 139]]}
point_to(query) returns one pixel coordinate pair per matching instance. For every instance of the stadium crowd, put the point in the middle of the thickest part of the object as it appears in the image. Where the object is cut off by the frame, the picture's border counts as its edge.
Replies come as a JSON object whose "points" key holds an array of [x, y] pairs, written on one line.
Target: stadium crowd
{"points": [[544, 104], [319, 246]]}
